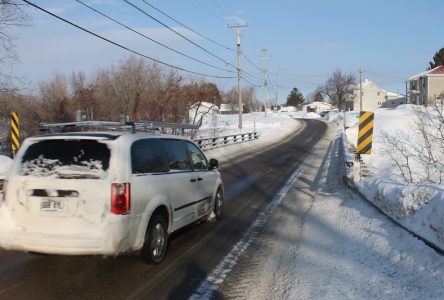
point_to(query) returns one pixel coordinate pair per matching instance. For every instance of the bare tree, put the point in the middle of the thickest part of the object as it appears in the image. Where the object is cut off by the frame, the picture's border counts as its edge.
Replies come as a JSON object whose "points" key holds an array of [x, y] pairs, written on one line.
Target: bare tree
{"points": [[417, 155], [316, 95], [11, 15], [55, 102], [339, 88], [249, 99]]}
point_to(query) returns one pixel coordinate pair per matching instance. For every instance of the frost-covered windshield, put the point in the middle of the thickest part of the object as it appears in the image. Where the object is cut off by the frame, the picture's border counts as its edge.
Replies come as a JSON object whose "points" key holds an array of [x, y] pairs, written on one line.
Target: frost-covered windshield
{"points": [[68, 159]]}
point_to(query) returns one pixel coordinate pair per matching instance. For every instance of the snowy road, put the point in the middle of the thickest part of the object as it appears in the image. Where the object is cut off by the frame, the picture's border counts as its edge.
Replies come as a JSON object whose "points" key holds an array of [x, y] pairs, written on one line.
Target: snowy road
{"points": [[325, 242]]}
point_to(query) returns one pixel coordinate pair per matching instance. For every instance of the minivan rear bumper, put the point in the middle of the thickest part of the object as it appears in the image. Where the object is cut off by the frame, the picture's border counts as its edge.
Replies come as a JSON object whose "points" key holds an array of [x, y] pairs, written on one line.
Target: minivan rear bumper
{"points": [[110, 239]]}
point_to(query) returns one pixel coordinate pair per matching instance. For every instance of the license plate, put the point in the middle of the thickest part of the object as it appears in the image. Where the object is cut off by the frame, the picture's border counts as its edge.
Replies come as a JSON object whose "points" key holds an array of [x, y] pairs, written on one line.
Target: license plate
{"points": [[49, 205]]}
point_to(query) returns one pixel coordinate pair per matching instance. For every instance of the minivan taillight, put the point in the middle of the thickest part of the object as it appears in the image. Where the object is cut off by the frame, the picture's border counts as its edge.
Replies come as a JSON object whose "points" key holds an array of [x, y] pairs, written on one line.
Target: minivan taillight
{"points": [[120, 198]]}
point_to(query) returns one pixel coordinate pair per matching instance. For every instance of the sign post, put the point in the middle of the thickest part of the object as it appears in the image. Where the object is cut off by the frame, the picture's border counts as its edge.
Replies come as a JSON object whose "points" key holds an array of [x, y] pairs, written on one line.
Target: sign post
{"points": [[365, 135], [15, 133]]}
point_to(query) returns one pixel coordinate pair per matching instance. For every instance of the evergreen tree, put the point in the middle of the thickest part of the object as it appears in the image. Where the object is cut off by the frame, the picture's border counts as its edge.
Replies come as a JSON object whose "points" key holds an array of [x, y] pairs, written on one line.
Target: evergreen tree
{"points": [[438, 59], [295, 98]]}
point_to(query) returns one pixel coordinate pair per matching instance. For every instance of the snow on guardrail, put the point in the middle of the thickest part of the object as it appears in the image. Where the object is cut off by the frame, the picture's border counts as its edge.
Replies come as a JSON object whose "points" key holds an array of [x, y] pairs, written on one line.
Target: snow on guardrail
{"points": [[214, 142]]}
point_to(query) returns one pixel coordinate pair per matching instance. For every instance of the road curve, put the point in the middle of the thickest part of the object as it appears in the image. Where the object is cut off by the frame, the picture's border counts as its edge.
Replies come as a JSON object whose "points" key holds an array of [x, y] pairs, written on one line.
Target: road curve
{"points": [[251, 182]]}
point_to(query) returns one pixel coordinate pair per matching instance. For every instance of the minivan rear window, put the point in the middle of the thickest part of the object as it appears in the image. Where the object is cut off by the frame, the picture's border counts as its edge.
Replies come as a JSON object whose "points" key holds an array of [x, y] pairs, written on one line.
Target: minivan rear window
{"points": [[67, 159]]}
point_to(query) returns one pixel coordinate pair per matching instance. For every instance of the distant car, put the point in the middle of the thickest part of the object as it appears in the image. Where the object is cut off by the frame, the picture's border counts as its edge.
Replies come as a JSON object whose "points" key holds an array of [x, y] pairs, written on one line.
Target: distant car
{"points": [[106, 193]]}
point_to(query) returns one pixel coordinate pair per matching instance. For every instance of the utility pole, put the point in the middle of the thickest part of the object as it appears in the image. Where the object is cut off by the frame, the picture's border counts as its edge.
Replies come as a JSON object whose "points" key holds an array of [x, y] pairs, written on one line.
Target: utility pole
{"points": [[406, 94], [360, 89], [239, 89], [277, 93], [264, 57]]}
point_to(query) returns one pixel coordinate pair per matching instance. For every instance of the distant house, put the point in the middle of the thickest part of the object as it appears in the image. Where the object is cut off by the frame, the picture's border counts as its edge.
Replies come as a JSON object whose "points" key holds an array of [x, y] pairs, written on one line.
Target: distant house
{"points": [[373, 97], [316, 106], [229, 109], [393, 100], [206, 111], [288, 109], [426, 87]]}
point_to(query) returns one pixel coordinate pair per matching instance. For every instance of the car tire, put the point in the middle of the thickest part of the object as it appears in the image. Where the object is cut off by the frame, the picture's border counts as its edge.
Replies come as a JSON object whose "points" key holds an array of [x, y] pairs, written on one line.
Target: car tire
{"points": [[219, 205], [156, 240]]}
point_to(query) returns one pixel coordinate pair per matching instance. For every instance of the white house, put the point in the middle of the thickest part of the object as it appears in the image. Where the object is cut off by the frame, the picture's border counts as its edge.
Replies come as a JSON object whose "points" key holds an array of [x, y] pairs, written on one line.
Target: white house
{"points": [[288, 109], [229, 109], [373, 97], [317, 106], [205, 110]]}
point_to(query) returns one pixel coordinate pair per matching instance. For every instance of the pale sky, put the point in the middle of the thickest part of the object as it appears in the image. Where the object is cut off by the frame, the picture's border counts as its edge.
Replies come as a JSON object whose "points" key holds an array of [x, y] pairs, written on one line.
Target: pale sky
{"points": [[306, 40]]}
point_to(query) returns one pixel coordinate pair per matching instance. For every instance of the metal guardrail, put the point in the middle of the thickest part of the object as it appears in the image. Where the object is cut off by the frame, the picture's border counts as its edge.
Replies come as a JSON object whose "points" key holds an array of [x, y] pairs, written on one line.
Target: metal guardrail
{"points": [[214, 142]]}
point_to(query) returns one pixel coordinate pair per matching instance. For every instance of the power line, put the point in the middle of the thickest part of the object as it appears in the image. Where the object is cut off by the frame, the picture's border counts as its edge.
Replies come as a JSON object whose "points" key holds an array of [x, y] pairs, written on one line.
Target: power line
{"points": [[235, 14], [179, 34], [223, 21], [252, 63], [180, 23], [251, 75], [258, 42], [147, 37], [387, 75], [229, 6], [220, 7], [251, 79], [119, 45], [251, 83], [211, 11]]}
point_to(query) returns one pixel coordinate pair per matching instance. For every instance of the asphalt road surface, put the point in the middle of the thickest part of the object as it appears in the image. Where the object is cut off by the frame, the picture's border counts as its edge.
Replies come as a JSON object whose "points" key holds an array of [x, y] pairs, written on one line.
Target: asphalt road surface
{"points": [[251, 182]]}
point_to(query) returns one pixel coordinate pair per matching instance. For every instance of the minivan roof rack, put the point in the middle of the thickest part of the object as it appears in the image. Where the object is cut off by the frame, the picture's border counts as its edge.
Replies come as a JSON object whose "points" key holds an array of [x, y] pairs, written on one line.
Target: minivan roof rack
{"points": [[110, 125]]}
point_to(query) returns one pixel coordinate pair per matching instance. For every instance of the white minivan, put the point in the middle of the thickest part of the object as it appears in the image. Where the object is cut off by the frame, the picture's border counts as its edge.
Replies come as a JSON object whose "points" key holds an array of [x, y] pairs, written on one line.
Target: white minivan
{"points": [[106, 193]]}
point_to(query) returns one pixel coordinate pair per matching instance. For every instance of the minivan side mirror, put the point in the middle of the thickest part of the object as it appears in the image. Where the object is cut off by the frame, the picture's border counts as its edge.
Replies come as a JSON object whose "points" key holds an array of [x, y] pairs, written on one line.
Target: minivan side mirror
{"points": [[214, 164]]}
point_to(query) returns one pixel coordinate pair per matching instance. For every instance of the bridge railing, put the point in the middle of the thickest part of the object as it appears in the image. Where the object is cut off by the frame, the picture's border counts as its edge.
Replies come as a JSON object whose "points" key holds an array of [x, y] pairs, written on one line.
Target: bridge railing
{"points": [[214, 142]]}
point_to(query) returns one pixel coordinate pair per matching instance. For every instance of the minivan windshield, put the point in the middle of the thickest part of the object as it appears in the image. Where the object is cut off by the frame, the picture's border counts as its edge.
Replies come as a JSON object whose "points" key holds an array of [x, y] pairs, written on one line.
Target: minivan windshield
{"points": [[67, 159]]}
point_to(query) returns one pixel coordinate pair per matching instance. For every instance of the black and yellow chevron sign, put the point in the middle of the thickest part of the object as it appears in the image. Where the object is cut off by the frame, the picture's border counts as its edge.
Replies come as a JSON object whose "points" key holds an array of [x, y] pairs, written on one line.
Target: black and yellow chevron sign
{"points": [[365, 134], [15, 133]]}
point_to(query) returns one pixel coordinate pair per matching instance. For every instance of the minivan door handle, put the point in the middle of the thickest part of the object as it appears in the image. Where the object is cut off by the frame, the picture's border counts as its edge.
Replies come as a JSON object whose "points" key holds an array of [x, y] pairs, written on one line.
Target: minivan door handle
{"points": [[193, 180], [199, 179]]}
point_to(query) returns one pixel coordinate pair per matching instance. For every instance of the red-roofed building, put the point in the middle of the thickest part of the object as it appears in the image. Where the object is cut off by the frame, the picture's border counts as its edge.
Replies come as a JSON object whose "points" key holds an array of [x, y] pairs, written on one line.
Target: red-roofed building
{"points": [[427, 87]]}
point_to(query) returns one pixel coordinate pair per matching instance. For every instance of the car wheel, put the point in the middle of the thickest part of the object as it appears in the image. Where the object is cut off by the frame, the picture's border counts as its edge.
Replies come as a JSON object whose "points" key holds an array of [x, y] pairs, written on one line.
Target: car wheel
{"points": [[219, 205], [156, 240]]}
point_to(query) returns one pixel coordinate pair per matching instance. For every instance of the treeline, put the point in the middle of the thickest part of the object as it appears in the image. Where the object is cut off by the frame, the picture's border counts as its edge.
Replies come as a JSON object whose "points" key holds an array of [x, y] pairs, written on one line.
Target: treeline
{"points": [[133, 87]]}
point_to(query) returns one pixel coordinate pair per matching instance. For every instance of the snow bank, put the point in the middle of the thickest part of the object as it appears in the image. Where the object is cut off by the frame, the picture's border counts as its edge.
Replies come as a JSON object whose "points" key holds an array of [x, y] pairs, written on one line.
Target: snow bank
{"points": [[273, 128], [5, 165], [417, 207]]}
